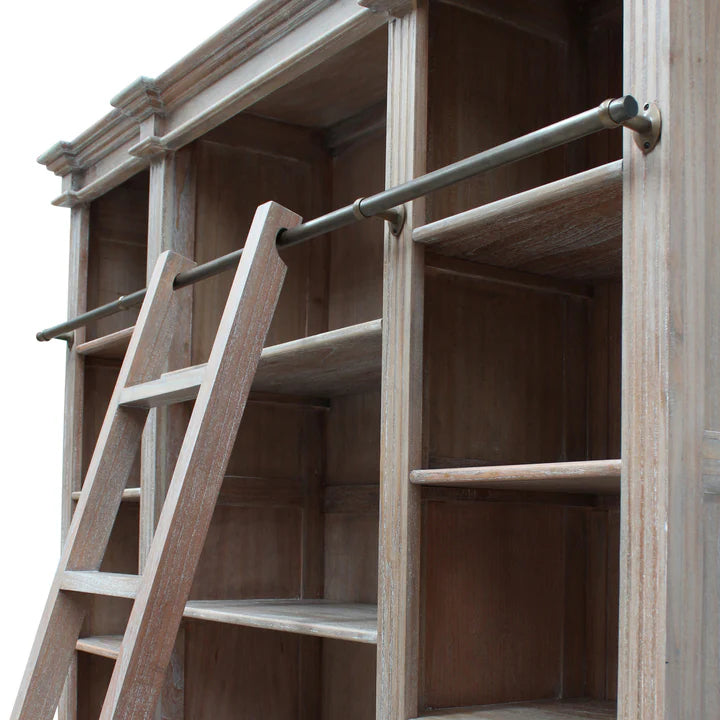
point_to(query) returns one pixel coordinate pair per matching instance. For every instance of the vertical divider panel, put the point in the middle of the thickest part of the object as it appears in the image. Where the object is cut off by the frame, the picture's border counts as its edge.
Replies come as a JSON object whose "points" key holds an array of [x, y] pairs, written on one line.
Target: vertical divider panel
{"points": [[171, 226], [74, 390], [402, 371], [668, 395]]}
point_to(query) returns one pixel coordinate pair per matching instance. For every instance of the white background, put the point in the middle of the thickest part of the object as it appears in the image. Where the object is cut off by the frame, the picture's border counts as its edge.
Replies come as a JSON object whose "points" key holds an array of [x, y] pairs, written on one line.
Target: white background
{"points": [[61, 64]]}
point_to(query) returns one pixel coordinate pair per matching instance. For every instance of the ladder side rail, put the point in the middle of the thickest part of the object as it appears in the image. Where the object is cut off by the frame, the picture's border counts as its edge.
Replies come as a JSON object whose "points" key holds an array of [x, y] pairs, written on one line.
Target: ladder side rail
{"points": [[185, 518], [100, 498]]}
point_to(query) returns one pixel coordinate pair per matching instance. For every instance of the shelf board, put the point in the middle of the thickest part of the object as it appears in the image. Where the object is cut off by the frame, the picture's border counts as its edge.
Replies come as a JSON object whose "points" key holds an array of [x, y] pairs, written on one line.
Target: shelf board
{"points": [[104, 645], [546, 710], [112, 346], [571, 228], [325, 365], [321, 618], [589, 476], [128, 495]]}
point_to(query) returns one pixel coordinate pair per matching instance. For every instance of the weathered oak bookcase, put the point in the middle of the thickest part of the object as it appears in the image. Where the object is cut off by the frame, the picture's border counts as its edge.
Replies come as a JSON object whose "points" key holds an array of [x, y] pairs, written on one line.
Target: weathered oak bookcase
{"points": [[375, 553]]}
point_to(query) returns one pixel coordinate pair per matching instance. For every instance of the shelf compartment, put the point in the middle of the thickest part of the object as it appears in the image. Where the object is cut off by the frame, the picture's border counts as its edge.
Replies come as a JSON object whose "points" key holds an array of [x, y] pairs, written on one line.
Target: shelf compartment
{"points": [[111, 346], [104, 645], [569, 228], [128, 494], [321, 618], [331, 363], [589, 476], [550, 710]]}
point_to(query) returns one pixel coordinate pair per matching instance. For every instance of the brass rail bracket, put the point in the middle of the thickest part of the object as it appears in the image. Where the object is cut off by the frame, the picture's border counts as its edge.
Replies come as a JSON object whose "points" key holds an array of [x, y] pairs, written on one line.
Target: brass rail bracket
{"points": [[646, 127]]}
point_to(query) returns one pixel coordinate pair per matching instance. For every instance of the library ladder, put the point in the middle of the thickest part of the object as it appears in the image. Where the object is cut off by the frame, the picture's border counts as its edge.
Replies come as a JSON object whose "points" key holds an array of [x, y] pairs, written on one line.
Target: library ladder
{"points": [[161, 591]]}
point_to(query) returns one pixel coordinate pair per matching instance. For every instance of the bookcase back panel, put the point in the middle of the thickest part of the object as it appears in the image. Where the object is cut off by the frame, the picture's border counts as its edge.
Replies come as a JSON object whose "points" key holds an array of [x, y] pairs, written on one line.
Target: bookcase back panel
{"points": [[506, 374], [117, 254], [236, 673]]}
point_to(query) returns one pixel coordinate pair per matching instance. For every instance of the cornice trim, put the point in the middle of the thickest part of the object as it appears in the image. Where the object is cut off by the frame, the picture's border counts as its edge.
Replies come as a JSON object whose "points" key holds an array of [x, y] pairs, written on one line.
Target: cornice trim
{"points": [[139, 100], [258, 27]]}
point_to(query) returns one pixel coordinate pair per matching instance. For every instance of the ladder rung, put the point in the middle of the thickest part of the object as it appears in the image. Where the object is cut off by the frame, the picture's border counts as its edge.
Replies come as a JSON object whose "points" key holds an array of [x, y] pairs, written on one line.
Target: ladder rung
{"points": [[100, 583], [104, 645], [172, 387]]}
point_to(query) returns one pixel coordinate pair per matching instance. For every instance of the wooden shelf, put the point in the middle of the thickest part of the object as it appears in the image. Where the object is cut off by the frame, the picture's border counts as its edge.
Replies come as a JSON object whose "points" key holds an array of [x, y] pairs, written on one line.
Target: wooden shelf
{"points": [[112, 346], [589, 476], [570, 228], [104, 645], [332, 363], [128, 495], [551, 710], [322, 618]]}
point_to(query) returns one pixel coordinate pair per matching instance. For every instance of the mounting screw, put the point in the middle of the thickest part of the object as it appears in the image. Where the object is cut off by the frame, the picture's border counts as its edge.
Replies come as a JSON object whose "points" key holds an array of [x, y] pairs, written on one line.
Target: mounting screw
{"points": [[646, 145]]}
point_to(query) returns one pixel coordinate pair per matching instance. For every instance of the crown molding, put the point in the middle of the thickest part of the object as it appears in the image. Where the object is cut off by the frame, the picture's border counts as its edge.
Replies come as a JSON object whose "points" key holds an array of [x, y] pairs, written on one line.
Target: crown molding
{"points": [[150, 115], [139, 100], [60, 159]]}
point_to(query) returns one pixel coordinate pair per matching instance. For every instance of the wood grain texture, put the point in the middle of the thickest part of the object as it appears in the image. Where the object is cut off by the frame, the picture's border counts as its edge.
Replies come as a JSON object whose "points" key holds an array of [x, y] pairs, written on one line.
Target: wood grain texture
{"points": [[171, 226], [505, 374], [565, 710], [328, 94], [103, 645], [98, 505], [232, 182], [401, 413], [669, 271], [111, 346], [320, 618], [598, 476], [570, 228], [203, 458], [72, 467], [325, 365], [100, 583], [496, 579], [117, 251]]}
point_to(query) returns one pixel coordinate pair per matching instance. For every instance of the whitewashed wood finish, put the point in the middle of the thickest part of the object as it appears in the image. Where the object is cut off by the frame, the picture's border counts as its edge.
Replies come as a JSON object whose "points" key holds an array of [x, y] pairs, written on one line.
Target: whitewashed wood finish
{"points": [[103, 645], [171, 226], [563, 710], [401, 429], [324, 365], [570, 228], [321, 618], [171, 387], [74, 394], [112, 346], [669, 389], [188, 508], [269, 45], [101, 494], [353, 622], [100, 583], [589, 476]]}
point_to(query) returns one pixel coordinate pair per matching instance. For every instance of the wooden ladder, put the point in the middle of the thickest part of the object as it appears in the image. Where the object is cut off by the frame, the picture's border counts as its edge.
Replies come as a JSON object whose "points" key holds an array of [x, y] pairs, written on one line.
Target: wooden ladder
{"points": [[161, 592]]}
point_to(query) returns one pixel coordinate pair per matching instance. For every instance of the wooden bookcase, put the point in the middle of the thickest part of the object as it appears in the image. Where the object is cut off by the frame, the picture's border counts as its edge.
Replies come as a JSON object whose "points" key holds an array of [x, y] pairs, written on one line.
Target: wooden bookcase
{"points": [[426, 513]]}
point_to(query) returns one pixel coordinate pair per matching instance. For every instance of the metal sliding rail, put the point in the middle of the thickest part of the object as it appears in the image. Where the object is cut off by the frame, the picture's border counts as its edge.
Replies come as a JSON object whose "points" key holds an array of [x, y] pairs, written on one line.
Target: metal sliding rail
{"points": [[388, 204]]}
